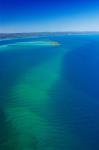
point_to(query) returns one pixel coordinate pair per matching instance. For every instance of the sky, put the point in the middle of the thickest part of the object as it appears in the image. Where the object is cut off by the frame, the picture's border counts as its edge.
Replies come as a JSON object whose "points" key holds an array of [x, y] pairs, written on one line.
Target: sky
{"points": [[48, 15]]}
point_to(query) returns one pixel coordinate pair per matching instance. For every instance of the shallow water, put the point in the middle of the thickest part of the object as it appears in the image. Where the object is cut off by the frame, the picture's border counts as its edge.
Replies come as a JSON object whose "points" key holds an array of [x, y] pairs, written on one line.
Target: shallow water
{"points": [[49, 93]]}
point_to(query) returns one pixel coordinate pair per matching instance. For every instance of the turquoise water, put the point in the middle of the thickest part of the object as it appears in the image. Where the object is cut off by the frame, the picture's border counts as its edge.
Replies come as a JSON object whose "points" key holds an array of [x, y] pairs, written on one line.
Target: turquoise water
{"points": [[49, 93]]}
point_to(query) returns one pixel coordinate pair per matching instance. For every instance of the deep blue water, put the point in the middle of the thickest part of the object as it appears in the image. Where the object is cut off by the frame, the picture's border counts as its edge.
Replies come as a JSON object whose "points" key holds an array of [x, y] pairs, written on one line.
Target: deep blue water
{"points": [[75, 95]]}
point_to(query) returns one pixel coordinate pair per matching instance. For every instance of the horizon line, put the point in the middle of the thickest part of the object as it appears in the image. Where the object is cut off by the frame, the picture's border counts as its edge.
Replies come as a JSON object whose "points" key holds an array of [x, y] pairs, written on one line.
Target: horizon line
{"points": [[47, 32]]}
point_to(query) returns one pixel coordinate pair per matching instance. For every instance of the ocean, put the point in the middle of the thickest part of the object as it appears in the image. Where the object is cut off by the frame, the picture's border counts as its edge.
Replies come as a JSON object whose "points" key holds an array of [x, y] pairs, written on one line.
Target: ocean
{"points": [[49, 92]]}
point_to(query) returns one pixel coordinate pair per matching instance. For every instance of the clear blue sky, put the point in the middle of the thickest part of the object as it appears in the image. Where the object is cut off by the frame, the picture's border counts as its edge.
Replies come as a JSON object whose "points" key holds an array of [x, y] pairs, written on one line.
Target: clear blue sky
{"points": [[49, 15]]}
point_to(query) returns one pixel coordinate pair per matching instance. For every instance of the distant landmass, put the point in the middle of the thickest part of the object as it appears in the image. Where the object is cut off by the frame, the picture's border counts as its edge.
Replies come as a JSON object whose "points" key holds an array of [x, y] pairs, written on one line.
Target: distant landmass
{"points": [[16, 35]]}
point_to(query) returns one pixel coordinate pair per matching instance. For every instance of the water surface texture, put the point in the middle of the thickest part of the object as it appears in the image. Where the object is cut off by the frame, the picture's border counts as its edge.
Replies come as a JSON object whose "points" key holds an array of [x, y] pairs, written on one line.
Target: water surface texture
{"points": [[49, 93]]}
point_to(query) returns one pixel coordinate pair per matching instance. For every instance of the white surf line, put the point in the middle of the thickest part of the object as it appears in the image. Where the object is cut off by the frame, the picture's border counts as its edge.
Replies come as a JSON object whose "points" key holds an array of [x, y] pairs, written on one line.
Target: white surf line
{"points": [[34, 43]]}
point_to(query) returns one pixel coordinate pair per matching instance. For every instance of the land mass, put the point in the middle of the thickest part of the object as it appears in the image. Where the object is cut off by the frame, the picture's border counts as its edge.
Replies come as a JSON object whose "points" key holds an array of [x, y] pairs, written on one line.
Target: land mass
{"points": [[35, 34]]}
